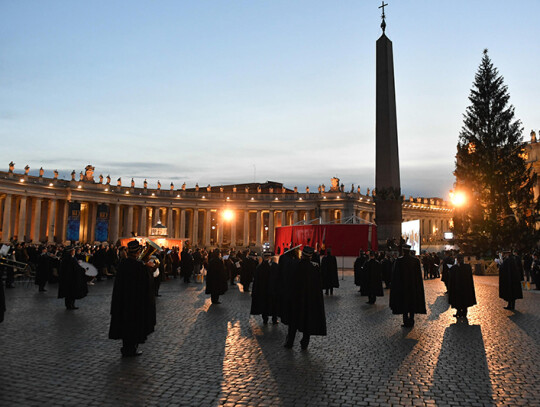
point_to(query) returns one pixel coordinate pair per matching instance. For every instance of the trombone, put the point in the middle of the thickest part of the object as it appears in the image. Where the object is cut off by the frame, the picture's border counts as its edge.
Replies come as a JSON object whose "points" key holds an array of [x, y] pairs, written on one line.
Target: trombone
{"points": [[19, 265]]}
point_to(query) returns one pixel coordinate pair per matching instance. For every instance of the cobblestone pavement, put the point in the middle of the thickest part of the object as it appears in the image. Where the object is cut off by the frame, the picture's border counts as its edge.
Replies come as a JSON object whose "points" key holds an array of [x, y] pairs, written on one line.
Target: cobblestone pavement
{"points": [[208, 355]]}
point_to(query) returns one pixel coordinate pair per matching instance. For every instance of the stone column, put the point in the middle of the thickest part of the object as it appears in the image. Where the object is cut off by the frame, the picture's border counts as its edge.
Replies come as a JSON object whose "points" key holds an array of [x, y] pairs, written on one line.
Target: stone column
{"points": [[51, 220], [115, 219], [284, 218], [233, 229], [207, 228], [36, 221], [93, 219], [183, 223], [246, 228], [170, 226], [6, 221], [295, 217], [177, 224], [195, 227], [220, 226], [271, 228], [258, 229], [63, 232], [21, 227], [129, 221], [142, 221]]}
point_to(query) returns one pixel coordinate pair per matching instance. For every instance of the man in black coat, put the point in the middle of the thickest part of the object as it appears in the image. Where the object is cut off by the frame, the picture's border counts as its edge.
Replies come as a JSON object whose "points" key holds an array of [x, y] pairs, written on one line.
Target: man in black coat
{"points": [[186, 265], [387, 264], [329, 271], [42, 269], [510, 280], [358, 272], [133, 306], [306, 306], [71, 279], [288, 262], [216, 277], [448, 262], [372, 279], [2, 297], [249, 265], [461, 288], [264, 296], [407, 292]]}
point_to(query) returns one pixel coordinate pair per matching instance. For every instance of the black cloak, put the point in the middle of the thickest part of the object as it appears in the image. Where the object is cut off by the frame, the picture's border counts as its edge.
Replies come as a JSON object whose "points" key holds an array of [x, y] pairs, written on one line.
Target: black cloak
{"points": [[372, 279], [265, 292], [307, 312], [216, 277], [43, 269], [133, 306], [510, 280], [461, 287], [329, 271], [287, 266], [407, 291], [71, 279]]}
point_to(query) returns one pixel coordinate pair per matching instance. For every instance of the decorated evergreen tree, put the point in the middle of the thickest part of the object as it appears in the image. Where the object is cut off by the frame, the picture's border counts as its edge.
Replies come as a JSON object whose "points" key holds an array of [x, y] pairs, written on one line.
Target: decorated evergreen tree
{"points": [[492, 172]]}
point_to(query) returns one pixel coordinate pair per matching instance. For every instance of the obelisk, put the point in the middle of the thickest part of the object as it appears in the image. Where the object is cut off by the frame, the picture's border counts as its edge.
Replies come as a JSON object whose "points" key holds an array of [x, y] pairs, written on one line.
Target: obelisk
{"points": [[387, 184]]}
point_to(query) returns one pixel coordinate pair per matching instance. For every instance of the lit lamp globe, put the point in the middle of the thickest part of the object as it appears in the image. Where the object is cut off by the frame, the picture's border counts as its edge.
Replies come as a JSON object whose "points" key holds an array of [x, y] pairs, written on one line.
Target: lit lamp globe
{"points": [[228, 215], [458, 198]]}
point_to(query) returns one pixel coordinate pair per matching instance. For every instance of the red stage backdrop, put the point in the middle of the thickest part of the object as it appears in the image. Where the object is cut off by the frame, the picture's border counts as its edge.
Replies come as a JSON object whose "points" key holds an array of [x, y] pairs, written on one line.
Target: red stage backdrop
{"points": [[344, 240]]}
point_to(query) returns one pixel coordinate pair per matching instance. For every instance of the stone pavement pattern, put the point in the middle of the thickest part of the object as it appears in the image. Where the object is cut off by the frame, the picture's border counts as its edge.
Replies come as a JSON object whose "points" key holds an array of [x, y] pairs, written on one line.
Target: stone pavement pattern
{"points": [[210, 355]]}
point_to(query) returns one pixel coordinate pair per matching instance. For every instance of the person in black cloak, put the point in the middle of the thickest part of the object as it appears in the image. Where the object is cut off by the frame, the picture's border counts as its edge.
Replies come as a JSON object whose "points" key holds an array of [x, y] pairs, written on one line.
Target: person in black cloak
{"points": [[329, 271], [248, 269], [306, 307], [372, 279], [216, 277], [187, 265], [71, 279], [358, 272], [509, 281], [2, 296], [461, 288], [42, 269], [264, 296], [407, 291], [386, 263], [286, 265], [535, 270], [448, 262], [133, 305]]}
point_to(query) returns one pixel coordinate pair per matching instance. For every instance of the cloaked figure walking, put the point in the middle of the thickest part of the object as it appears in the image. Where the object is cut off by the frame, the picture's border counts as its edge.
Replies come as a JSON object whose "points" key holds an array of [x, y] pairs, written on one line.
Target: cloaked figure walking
{"points": [[265, 292], [510, 280], [305, 311], [407, 290], [461, 287]]}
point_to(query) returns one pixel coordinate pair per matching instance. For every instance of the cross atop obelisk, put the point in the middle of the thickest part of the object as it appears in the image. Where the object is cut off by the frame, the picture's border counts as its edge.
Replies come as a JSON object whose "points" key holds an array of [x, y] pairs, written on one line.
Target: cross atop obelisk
{"points": [[383, 16]]}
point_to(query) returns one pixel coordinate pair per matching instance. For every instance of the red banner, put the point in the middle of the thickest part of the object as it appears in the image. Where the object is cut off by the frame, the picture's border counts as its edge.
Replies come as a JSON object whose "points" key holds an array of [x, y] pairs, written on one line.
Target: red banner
{"points": [[344, 240]]}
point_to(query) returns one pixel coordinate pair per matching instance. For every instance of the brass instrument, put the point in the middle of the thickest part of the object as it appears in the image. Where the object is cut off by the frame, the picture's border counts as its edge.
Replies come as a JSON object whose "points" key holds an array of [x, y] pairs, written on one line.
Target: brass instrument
{"points": [[148, 251], [13, 263]]}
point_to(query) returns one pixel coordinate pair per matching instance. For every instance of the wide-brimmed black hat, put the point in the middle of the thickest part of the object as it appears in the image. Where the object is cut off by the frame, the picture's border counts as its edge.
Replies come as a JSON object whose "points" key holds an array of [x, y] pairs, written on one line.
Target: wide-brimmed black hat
{"points": [[406, 247], [308, 251], [133, 246]]}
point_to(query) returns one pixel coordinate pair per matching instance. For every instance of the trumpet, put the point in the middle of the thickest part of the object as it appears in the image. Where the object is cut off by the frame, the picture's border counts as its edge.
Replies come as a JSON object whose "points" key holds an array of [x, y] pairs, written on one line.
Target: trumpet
{"points": [[148, 251]]}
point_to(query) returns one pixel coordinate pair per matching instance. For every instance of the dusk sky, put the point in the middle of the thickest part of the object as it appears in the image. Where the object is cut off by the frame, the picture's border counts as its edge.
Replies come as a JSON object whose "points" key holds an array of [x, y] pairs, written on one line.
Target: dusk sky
{"points": [[230, 91]]}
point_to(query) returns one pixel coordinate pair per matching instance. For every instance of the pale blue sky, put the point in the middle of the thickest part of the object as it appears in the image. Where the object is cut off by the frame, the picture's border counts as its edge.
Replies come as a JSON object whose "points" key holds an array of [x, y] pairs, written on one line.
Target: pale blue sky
{"points": [[203, 91]]}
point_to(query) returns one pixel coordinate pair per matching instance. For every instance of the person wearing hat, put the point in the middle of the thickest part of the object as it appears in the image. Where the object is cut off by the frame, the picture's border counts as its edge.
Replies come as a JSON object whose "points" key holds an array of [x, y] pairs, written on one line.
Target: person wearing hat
{"points": [[372, 271], [133, 306], [407, 289], [448, 262], [42, 269], [264, 296], [248, 269], [510, 280], [71, 279], [305, 311], [216, 277], [329, 271], [461, 287]]}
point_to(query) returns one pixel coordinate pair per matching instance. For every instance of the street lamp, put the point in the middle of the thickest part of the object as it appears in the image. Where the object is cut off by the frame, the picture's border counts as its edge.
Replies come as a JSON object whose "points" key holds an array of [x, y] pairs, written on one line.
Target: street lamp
{"points": [[458, 198], [228, 215]]}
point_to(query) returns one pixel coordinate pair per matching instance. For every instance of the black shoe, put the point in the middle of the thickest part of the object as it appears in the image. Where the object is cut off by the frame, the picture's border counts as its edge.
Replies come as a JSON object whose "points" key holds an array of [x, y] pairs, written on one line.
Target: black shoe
{"points": [[217, 302], [132, 354], [158, 295], [288, 345], [508, 308], [303, 347], [41, 290], [275, 322]]}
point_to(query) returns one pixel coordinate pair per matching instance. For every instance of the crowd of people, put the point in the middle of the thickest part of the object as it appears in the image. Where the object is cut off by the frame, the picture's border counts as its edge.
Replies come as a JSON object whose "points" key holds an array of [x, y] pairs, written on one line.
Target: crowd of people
{"points": [[290, 291]]}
